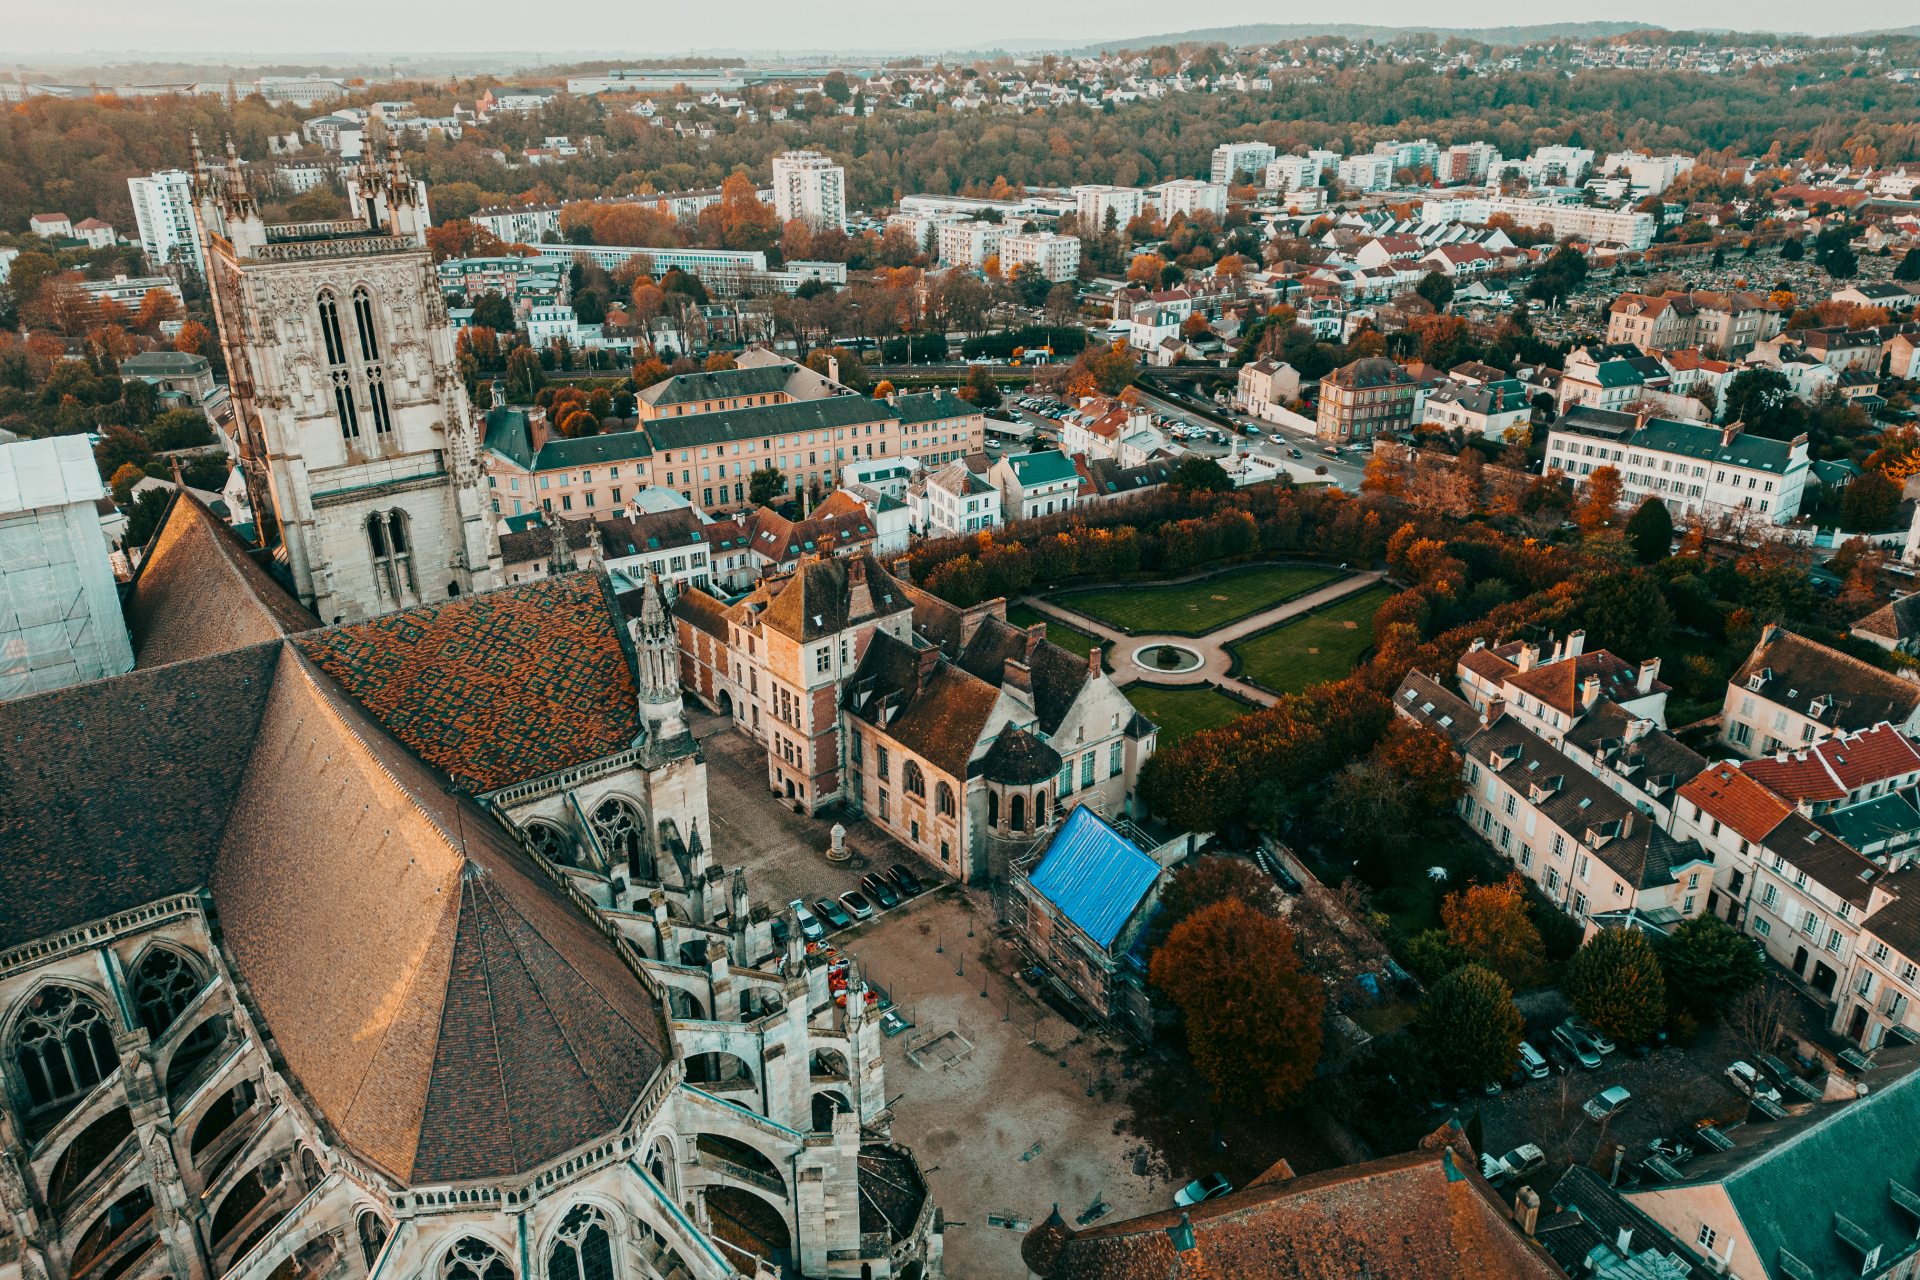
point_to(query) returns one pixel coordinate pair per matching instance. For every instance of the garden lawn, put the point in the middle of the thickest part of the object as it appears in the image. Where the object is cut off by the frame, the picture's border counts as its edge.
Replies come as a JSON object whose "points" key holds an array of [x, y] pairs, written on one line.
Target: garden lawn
{"points": [[1072, 639], [1183, 711], [1195, 608], [1315, 648]]}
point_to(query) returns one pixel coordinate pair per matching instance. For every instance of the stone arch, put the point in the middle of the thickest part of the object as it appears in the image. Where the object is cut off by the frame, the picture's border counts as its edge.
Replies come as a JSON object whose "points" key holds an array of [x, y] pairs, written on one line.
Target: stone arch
{"points": [[751, 1222], [943, 800], [241, 1199], [663, 1163], [165, 981], [219, 1116], [913, 779], [475, 1256], [684, 1004], [553, 842], [621, 829], [372, 1231], [827, 1103], [718, 1070], [60, 1044], [193, 1051], [1017, 812], [86, 1153], [312, 1170], [582, 1243], [100, 1253], [726, 704], [828, 1062]]}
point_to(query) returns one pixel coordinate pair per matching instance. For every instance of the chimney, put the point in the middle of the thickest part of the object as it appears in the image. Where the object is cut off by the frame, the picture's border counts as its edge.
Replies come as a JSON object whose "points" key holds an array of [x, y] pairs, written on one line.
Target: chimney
{"points": [[859, 594], [538, 428], [1729, 433], [929, 659], [1093, 660], [1036, 633], [1638, 728], [1576, 644], [1495, 708], [1649, 672], [1769, 633], [1529, 657], [1589, 692], [1018, 676], [1526, 1210]]}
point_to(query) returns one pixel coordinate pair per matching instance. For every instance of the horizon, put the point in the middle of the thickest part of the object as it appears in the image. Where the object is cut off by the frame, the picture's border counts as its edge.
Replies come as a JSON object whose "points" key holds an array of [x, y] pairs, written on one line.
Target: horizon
{"points": [[151, 33]]}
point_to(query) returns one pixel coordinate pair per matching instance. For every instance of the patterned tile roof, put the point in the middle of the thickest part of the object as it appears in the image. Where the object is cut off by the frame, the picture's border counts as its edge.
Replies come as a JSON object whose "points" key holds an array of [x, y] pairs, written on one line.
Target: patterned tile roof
{"points": [[198, 592], [495, 688]]}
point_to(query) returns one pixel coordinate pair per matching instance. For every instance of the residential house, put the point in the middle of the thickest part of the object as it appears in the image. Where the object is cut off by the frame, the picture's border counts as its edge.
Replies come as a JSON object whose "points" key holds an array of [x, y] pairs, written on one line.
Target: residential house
{"points": [[1793, 692], [1894, 626], [1367, 398], [1036, 484], [1695, 468], [956, 498], [1485, 411], [1267, 387]]}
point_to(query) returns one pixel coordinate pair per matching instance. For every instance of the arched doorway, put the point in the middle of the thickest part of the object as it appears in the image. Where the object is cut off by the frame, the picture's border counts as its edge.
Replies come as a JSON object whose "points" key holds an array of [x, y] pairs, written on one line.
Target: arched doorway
{"points": [[726, 703]]}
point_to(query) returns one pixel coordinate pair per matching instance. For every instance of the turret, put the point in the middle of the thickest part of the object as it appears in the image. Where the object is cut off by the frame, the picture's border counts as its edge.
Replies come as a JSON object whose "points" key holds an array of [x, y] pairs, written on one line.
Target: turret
{"points": [[659, 648]]}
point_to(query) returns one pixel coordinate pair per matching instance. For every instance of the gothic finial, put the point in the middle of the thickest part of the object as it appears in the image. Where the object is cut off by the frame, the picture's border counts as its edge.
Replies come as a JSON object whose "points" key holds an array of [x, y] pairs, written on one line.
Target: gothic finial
{"points": [[562, 554]]}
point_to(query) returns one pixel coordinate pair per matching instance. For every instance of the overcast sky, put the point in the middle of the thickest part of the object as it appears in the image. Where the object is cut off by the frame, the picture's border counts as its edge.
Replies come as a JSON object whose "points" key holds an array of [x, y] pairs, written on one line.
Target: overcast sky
{"points": [[651, 27]]}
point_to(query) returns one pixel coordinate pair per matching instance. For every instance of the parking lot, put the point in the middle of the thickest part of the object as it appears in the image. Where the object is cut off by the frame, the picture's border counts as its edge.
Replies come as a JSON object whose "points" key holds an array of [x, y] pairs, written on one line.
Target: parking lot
{"points": [[1673, 1088]]}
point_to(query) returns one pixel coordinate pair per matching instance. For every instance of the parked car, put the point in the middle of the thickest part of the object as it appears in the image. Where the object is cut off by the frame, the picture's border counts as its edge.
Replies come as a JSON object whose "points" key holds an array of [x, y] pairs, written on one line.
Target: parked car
{"points": [[1600, 1042], [1750, 1082], [1532, 1065], [879, 890], [810, 928], [1518, 1163], [1607, 1103], [1211, 1187], [780, 930], [857, 904], [1577, 1045], [830, 912], [909, 883]]}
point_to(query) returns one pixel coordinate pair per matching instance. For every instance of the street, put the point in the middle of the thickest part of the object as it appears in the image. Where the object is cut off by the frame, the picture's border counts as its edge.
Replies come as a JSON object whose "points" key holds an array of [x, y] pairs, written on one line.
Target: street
{"points": [[1275, 441]]}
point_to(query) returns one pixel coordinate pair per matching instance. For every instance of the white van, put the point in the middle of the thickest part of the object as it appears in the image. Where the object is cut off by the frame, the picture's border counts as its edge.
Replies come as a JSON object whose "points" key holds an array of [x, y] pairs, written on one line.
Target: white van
{"points": [[1532, 1064]]}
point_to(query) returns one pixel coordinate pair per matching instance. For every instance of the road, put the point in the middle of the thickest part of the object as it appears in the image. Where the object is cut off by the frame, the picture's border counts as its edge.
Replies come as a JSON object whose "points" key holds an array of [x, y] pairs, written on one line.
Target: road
{"points": [[1344, 471]]}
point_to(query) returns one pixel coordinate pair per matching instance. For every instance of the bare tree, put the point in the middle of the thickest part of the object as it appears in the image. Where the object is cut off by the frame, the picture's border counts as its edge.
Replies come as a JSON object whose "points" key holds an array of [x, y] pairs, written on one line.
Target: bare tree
{"points": [[1758, 1016]]}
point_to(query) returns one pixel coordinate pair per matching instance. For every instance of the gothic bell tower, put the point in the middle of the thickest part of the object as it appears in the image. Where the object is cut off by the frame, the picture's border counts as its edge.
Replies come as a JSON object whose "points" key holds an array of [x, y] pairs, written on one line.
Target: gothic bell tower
{"points": [[361, 450]]}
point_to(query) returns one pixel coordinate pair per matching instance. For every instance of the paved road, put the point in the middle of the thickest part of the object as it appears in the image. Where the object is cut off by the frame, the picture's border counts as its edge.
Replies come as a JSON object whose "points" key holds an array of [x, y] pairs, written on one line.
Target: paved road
{"points": [[1275, 440], [1215, 661]]}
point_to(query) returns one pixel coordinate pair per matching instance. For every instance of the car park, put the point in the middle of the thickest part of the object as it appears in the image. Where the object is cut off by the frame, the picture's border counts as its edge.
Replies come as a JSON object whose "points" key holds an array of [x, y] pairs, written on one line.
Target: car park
{"points": [[830, 911], [1748, 1080], [909, 883], [1520, 1162], [810, 928], [1607, 1103], [880, 890], [857, 904], [1578, 1046], [1532, 1065], [1211, 1187]]}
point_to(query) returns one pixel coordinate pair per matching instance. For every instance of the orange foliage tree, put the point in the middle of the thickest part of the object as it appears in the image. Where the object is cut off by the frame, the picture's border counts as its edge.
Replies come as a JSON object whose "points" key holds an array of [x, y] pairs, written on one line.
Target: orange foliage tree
{"points": [[1490, 923]]}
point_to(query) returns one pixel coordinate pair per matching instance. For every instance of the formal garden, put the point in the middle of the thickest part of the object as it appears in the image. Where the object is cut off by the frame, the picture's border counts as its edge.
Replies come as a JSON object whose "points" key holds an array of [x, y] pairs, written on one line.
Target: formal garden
{"points": [[1313, 648], [1202, 605], [1182, 710]]}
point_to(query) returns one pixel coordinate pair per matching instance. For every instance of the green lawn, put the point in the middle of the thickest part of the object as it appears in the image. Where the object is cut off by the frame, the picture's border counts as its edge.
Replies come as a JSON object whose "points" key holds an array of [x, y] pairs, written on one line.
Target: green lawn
{"points": [[1310, 650], [1072, 639], [1195, 608], [1183, 711]]}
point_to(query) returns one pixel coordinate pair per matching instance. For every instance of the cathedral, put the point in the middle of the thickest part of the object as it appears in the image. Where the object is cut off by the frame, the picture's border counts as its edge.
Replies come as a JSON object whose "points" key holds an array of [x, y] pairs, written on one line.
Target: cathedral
{"points": [[375, 928]]}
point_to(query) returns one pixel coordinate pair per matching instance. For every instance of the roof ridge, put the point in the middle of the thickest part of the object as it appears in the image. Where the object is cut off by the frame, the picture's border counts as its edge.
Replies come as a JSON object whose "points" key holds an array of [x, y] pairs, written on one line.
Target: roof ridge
{"points": [[467, 891]]}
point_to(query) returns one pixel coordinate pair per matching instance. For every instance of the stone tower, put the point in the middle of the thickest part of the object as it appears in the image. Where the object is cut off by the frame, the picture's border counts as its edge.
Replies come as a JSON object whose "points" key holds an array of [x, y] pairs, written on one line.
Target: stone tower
{"points": [[360, 449], [659, 647]]}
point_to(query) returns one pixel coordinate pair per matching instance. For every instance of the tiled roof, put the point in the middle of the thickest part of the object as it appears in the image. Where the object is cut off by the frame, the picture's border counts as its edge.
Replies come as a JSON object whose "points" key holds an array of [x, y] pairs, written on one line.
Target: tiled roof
{"points": [[495, 688], [1796, 673], [936, 711], [1421, 1215], [1558, 683], [198, 592], [1371, 371], [827, 595], [1095, 876], [1843, 763], [702, 611], [1897, 620], [1722, 791]]}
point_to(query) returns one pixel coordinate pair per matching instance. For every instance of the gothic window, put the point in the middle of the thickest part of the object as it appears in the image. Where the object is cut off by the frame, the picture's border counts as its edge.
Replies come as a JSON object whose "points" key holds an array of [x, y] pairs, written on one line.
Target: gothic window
{"points": [[163, 986], [377, 400], [583, 1250], [622, 835], [363, 321], [64, 1048], [339, 376], [309, 1169], [912, 780], [387, 537], [473, 1259], [330, 329], [551, 843], [943, 800], [373, 1236]]}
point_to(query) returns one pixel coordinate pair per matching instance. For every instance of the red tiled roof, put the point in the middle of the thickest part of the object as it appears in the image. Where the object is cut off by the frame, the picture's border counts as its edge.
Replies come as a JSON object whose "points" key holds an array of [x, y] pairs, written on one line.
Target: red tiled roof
{"points": [[1722, 791]]}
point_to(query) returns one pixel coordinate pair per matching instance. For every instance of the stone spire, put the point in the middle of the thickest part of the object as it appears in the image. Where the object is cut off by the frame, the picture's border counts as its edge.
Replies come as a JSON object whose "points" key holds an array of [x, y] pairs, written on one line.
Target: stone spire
{"points": [[659, 647]]}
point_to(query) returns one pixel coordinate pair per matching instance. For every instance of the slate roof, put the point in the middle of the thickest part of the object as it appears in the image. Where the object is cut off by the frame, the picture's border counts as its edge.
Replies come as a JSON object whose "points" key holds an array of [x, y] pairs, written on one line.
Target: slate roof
{"points": [[931, 406], [1593, 1217], [199, 593], [725, 426], [1371, 371], [1897, 620], [1018, 758], [1795, 672], [720, 384], [1421, 1215], [495, 688], [1655, 758], [1707, 443], [1883, 819], [1095, 876], [1045, 467], [935, 710], [1787, 1179]]}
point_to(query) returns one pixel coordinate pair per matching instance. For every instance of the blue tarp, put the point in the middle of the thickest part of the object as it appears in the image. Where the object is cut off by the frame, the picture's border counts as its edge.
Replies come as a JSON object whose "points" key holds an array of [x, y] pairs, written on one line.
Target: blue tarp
{"points": [[1094, 875]]}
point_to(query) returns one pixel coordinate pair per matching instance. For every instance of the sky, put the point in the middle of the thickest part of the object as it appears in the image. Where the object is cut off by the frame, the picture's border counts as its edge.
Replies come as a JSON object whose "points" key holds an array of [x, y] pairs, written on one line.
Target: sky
{"points": [[652, 28]]}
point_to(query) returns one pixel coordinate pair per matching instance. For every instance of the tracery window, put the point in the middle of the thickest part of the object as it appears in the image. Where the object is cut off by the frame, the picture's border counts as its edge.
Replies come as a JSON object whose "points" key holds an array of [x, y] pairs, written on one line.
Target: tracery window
{"points": [[63, 1048], [943, 800], [339, 376], [622, 835], [163, 986], [389, 540], [373, 1236], [912, 780], [472, 1259], [583, 1249], [553, 844], [373, 370]]}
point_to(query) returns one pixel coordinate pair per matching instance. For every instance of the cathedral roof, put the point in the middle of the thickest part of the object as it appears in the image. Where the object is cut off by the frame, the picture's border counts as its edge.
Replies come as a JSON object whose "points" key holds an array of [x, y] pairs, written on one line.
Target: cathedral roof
{"points": [[199, 592], [495, 688]]}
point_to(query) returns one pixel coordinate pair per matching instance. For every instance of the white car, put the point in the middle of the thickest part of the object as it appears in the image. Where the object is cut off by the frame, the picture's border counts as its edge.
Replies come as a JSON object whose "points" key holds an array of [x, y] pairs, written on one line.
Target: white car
{"points": [[1607, 1102], [1517, 1163], [1751, 1083]]}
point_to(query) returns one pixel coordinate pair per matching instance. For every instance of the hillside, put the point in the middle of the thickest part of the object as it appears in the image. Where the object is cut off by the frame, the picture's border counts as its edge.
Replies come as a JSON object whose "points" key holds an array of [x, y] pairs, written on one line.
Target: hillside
{"points": [[1272, 32]]}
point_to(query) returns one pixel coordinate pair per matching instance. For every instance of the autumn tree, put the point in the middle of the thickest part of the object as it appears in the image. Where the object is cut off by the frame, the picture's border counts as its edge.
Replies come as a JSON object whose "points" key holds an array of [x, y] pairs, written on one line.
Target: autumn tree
{"points": [[1437, 288], [1615, 982], [1491, 924], [980, 389], [1203, 882], [1253, 1015], [1471, 1025], [766, 484], [1708, 964], [524, 376], [1146, 270], [1602, 499], [194, 339]]}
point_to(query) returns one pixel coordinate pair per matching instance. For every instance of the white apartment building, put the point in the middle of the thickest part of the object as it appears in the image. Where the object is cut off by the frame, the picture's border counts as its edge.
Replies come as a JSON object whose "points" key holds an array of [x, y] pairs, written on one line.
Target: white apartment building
{"points": [[163, 218], [520, 224], [1646, 175], [1417, 155], [1562, 165], [1366, 173], [1036, 484], [1622, 228], [1696, 468], [1099, 206], [1465, 162], [1240, 161], [1055, 257], [809, 187], [1190, 196], [1292, 173], [970, 244], [549, 325], [922, 227]]}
